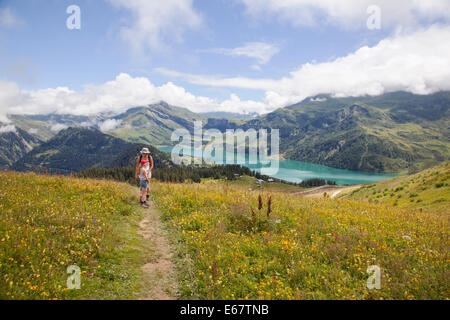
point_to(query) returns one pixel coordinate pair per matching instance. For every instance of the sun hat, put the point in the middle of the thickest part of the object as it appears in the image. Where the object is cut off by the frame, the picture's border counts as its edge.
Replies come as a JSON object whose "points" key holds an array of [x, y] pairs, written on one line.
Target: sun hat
{"points": [[145, 151]]}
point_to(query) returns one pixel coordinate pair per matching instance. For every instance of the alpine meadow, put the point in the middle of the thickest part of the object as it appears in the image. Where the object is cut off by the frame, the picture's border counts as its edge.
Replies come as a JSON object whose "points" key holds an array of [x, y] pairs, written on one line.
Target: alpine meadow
{"points": [[234, 159]]}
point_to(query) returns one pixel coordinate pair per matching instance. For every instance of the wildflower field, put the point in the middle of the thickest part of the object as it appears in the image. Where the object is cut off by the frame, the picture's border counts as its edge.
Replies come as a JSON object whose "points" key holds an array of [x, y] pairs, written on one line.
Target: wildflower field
{"points": [[233, 243], [428, 190], [49, 223]]}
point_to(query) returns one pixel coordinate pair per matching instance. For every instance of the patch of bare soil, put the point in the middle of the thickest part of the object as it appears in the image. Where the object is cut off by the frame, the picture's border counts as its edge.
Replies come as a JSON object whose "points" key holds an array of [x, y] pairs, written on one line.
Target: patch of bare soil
{"points": [[161, 280]]}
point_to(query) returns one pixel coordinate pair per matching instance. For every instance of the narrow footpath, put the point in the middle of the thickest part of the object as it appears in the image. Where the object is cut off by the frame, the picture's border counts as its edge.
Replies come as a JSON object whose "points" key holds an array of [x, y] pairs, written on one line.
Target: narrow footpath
{"points": [[160, 275]]}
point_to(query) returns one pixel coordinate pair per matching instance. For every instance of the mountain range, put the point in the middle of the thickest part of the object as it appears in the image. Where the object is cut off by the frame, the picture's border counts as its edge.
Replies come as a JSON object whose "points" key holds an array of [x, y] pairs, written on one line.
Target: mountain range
{"points": [[14, 144], [396, 132], [77, 149]]}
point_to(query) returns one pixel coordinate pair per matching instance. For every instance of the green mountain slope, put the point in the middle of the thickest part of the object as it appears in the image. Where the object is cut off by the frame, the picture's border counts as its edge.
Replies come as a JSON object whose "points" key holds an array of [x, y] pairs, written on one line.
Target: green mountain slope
{"points": [[127, 158], [428, 190], [390, 133], [76, 149], [38, 128], [154, 124], [14, 144], [73, 149]]}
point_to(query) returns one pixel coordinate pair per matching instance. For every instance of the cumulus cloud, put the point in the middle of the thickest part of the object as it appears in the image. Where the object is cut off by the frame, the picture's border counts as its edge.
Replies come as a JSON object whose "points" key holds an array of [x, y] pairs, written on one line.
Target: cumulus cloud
{"points": [[155, 20], [7, 129], [415, 62], [348, 13], [114, 96], [261, 51], [8, 18], [109, 125]]}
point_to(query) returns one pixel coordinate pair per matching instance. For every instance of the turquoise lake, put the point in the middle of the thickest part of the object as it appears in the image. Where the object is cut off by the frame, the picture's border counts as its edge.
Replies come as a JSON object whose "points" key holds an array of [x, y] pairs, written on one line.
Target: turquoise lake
{"points": [[297, 171]]}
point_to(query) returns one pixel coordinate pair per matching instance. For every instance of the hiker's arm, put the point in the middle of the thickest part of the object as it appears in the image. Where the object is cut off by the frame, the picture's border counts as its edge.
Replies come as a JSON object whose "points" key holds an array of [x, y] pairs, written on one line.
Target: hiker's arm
{"points": [[136, 172], [151, 163]]}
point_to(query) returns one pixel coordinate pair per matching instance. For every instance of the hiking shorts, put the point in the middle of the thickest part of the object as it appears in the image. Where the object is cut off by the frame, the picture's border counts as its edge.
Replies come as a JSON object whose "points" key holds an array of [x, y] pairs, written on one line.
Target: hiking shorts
{"points": [[144, 184]]}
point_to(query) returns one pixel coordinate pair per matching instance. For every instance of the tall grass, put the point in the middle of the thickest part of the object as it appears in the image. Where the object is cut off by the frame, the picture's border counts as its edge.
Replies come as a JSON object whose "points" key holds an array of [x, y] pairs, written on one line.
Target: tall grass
{"points": [[231, 246], [49, 223]]}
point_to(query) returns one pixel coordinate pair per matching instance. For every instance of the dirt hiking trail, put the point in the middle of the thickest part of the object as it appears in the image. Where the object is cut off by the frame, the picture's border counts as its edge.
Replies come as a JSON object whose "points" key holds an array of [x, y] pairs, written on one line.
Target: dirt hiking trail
{"points": [[159, 271]]}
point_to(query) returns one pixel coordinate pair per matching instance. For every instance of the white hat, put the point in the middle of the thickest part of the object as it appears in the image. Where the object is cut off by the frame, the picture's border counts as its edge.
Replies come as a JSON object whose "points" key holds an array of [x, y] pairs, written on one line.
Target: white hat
{"points": [[145, 151]]}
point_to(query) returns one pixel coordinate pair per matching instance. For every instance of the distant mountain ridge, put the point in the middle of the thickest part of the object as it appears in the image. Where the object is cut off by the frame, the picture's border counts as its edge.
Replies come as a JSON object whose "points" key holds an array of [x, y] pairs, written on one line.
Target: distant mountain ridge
{"points": [[14, 144], [76, 149], [397, 132], [154, 124], [231, 115]]}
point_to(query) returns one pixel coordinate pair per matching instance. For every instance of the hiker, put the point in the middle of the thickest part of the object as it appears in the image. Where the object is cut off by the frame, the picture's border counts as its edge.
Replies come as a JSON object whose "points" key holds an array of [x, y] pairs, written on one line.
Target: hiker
{"points": [[144, 183], [145, 155]]}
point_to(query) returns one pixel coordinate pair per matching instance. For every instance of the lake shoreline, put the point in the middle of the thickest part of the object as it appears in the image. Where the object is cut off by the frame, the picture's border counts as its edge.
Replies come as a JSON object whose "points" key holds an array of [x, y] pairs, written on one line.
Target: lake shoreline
{"points": [[297, 171]]}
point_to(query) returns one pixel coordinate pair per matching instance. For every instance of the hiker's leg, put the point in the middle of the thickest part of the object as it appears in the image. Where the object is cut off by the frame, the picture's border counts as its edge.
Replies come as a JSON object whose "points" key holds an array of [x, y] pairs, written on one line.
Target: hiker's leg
{"points": [[143, 194]]}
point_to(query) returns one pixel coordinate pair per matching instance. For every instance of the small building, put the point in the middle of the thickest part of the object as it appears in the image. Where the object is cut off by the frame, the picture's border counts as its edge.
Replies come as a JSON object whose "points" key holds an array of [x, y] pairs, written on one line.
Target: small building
{"points": [[270, 180]]}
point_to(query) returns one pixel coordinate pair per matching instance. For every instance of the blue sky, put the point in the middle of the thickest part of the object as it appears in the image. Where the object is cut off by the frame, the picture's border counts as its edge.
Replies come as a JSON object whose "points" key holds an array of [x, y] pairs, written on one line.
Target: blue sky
{"points": [[205, 51]]}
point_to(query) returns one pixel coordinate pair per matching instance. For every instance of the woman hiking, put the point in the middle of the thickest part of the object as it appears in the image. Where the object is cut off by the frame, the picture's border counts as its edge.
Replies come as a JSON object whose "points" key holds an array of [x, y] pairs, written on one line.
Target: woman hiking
{"points": [[148, 166], [144, 183]]}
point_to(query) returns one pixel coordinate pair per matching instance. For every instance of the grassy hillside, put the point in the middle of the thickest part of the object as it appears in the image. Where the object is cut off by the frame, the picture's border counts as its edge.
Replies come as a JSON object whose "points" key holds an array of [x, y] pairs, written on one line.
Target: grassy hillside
{"points": [[231, 246], [48, 224], [230, 243], [428, 190]]}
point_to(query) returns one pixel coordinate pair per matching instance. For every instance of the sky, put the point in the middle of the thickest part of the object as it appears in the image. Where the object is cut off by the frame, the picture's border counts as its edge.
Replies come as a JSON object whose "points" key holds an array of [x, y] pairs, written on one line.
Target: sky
{"points": [[215, 55]]}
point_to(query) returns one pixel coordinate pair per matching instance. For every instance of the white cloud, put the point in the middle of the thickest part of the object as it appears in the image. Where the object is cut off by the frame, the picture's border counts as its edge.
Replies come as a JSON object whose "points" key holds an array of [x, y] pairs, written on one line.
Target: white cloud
{"points": [[155, 21], [236, 105], [348, 13], [109, 125], [414, 62], [114, 96], [8, 18], [4, 118], [261, 51], [58, 127], [7, 129], [214, 81]]}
